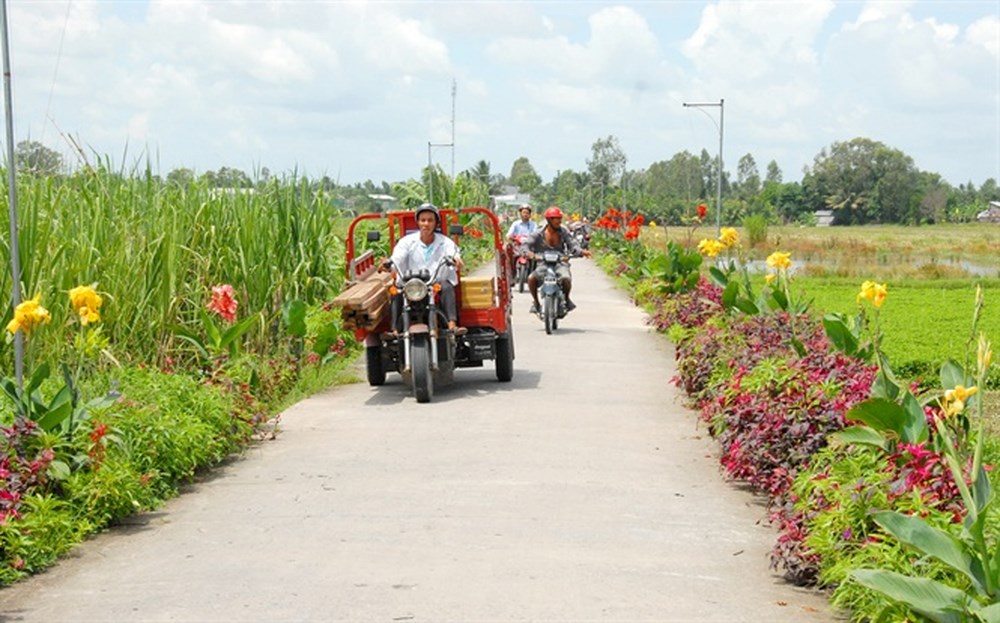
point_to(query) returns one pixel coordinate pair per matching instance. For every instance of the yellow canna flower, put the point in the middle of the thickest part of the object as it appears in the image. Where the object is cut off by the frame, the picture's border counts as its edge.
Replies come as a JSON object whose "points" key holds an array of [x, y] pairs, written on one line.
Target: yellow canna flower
{"points": [[874, 292], [769, 278], [86, 303], [710, 248], [879, 295], [652, 224], [28, 315], [984, 354], [779, 260], [85, 296], [728, 236], [954, 399], [960, 392], [88, 316]]}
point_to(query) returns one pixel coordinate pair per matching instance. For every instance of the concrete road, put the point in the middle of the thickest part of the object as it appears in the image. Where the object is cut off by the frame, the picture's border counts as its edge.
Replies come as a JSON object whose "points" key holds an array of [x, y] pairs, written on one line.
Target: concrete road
{"points": [[581, 491]]}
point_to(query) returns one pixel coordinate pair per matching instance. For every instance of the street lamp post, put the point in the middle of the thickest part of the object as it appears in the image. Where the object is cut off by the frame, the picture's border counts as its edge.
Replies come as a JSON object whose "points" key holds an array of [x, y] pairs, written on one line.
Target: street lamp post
{"points": [[430, 174], [720, 126]]}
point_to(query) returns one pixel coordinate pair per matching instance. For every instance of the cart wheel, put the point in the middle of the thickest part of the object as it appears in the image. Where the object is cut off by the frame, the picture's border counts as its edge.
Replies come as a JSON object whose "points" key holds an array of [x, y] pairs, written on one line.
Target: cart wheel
{"points": [[375, 367], [505, 357]]}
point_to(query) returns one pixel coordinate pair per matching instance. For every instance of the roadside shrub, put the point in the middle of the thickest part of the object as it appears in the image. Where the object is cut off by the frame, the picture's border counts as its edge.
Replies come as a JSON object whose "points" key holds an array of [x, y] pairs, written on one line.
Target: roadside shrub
{"points": [[755, 227]]}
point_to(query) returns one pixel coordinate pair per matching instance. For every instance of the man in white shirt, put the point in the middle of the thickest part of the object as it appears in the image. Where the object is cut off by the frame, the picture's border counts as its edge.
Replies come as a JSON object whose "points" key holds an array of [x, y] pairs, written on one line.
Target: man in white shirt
{"points": [[424, 249], [524, 226]]}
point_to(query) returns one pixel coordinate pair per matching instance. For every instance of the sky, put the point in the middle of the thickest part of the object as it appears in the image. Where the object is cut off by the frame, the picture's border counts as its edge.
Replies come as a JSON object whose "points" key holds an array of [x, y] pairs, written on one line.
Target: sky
{"points": [[357, 90]]}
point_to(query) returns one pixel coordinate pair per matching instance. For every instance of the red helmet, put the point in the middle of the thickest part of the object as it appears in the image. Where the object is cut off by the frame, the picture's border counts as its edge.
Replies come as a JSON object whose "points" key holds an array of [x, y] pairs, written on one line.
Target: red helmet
{"points": [[553, 212]]}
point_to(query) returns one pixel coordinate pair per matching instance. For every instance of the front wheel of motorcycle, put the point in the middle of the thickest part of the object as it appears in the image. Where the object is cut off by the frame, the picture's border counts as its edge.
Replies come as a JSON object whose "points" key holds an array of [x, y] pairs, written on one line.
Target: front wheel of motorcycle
{"points": [[550, 311], [420, 364], [522, 276]]}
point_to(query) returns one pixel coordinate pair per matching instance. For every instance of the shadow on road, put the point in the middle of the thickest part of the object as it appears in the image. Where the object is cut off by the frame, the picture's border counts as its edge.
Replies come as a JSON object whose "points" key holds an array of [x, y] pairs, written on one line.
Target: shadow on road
{"points": [[467, 384]]}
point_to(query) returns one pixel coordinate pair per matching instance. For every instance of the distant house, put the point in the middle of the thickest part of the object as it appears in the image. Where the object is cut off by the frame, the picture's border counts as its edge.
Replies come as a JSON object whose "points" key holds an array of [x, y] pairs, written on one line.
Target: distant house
{"points": [[509, 201], [824, 218], [990, 214], [386, 203]]}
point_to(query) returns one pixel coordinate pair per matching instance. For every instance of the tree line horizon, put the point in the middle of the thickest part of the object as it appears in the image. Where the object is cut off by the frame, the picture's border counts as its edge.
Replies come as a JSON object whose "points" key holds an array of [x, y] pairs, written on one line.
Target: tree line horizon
{"points": [[861, 181]]}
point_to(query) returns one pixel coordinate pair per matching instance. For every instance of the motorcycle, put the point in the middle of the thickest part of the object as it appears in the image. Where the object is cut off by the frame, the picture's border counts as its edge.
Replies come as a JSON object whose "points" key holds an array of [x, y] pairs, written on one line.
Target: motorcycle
{"points": [[408, 333], [523, 264], [553, 298], [582, 236], [426, 351]]}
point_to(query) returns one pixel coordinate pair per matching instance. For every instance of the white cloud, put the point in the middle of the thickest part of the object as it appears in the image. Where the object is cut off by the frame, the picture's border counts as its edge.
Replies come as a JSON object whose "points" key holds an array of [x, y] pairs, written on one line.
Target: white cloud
{"points": [[362, 86], [986, 33]]}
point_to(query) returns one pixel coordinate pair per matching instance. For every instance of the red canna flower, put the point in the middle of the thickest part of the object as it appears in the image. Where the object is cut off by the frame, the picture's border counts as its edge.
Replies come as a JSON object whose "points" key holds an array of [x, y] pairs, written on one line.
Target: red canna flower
{"points": [[702, 210], [223, 302]]}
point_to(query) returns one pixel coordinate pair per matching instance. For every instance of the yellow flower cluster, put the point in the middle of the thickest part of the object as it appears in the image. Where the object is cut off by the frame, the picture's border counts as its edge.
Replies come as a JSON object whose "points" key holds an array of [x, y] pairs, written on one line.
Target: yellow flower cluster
{"points": [[710, 248], [954, 399], [28, 315], [86, 303], [779, 260], [728, 237], [874, 292]]}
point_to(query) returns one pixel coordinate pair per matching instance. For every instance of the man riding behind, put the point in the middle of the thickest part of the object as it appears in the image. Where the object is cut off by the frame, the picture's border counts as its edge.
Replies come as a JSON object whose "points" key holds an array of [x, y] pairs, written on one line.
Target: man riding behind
{"points": [[553, 237], [524, 226]]}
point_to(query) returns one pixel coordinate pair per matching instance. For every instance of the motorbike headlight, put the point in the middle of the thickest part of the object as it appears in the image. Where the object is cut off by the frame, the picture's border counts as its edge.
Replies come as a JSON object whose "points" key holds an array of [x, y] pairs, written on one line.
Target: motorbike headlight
{"points": [[415, 290]]}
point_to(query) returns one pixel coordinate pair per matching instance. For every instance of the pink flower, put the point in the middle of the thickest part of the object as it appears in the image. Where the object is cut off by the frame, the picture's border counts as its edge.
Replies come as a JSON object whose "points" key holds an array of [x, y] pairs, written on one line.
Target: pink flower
{"points": [[223, 302]]}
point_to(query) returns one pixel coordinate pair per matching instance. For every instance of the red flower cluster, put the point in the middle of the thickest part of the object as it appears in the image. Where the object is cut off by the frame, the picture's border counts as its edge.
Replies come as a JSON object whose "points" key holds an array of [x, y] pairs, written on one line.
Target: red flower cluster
{"points": [[475, 233], [97, 448], [615, 220], [702, 211], [223, 302]]}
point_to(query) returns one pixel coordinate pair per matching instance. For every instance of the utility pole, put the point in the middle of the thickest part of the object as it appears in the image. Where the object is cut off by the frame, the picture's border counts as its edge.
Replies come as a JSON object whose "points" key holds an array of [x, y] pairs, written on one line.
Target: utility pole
{"points": [[15, 267], [454, 89], [720, 126]]}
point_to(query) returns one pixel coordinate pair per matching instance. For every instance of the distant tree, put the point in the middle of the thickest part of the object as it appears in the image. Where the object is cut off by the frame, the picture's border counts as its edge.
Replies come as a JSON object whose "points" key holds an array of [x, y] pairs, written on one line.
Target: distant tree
{"points": [[773, 172], [566, 191], [232, 178], [989, 191], [33, 158], [864, 181], [709, 165], [675, 187], [181, 177], [607, 161], [524, 176], [934, 196], [747, 177]]}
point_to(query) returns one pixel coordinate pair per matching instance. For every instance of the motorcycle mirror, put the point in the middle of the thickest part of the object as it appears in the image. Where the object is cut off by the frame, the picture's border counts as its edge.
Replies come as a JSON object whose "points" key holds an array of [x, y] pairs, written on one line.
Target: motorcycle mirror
{"points": [[373, 236], [456, 230]]}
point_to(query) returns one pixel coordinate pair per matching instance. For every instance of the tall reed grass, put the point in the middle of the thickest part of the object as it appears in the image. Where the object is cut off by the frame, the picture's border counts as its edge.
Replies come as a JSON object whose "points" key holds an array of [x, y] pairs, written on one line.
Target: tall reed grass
{"points": [[155, 249]]}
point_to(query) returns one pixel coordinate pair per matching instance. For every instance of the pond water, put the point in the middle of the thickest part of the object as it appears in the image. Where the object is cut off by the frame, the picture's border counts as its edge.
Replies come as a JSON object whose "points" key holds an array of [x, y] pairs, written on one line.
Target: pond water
{"points": [[972, 268]]}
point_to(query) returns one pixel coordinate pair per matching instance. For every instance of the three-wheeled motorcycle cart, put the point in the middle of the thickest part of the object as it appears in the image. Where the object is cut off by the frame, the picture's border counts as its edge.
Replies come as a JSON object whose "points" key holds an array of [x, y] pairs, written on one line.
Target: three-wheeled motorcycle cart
{"points": [[425, 358]]}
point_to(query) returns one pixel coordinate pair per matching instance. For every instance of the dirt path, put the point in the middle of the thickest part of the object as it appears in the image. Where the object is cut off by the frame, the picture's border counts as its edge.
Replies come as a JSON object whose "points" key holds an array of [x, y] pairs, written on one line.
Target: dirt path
{"points": [[581, 491]]}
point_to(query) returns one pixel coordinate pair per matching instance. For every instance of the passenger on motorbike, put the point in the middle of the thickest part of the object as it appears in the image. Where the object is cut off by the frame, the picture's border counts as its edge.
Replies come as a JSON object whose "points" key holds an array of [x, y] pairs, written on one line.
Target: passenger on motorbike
{"points": [[524, 226], [424, 249], [553, 237]]}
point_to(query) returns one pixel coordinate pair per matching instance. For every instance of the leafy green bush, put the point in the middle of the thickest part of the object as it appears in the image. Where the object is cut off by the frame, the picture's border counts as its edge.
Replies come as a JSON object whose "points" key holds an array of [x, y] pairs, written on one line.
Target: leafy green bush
{"points": [[755, 227]]}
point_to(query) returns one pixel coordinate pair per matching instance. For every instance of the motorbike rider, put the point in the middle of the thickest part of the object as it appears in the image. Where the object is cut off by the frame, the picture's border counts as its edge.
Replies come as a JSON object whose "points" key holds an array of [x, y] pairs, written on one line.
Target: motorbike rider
{"points": [[553, 237], [524, 226], [424, 249]]}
